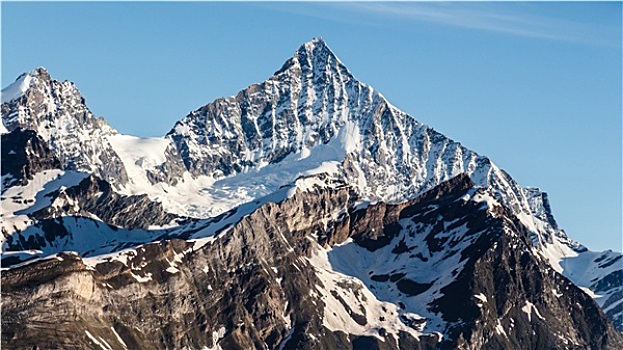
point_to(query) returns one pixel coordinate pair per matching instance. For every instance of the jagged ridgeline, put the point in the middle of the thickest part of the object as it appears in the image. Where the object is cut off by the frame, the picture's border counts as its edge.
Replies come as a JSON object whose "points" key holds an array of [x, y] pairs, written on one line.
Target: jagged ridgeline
{"points": [[306, 212]]}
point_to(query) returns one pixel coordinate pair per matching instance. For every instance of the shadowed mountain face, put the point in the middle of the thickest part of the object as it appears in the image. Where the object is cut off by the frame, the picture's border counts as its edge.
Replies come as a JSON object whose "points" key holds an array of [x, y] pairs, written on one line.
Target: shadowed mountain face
{"points": [[305, 212], [23, 155]]}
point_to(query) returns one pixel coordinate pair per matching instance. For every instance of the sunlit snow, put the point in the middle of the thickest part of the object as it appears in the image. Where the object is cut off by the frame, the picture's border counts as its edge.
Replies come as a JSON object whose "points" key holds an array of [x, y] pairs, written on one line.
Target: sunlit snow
{"points": [[17, 88]]}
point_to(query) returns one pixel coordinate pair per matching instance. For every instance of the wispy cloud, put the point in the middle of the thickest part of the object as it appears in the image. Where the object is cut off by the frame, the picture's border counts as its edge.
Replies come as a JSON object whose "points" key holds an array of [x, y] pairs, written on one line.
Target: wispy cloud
{"points": [[520, 19], [516, 20]]}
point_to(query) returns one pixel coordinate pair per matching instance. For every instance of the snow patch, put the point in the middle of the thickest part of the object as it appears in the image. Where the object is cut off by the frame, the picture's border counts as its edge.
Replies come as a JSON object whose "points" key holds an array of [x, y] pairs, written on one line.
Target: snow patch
{"points": [[581, 266], [347, 298], [4, 130], [305, 152], [481, 297], [485, 197], [172, 270], [208, 196], [19, 201], [17, 89], [101, 342], [528, 308], [119, 338], [138, 156], [216, 337], [350, 137], [590, 293], [182, 129], [142, 279], [499, 329]]}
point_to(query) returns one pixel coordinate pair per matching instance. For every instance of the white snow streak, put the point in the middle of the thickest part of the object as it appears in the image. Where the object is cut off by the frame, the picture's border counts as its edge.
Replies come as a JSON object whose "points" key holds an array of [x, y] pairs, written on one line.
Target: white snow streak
{"points": [[528, 308]]}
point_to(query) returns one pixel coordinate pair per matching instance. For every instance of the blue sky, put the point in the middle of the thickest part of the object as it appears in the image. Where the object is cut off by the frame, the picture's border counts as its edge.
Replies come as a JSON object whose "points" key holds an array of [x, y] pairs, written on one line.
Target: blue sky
{"points": [[534, 86]]}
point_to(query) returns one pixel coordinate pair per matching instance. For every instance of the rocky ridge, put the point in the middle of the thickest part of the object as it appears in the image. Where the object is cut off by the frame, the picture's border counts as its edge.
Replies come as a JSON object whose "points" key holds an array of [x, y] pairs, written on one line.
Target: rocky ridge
{"points": [[236, 291], [59, 115], [311, 126]]}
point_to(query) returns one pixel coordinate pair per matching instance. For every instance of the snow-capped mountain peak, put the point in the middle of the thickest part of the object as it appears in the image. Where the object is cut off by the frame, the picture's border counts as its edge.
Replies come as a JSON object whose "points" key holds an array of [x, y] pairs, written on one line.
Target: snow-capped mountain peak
{"points": [[309, 117], [313, 99], [310, 125], [58, 113], [315, 58], [21, 85]]}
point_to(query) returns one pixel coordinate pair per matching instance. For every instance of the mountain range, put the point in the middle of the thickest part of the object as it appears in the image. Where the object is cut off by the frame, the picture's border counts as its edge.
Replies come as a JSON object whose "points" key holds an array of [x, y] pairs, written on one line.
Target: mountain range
{"points": [[305, 212]]}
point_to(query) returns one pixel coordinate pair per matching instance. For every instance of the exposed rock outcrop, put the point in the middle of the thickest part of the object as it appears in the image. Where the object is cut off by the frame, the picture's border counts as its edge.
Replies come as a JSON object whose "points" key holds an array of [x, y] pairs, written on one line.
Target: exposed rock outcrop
{"points": [[23, 155], [96, 197]]}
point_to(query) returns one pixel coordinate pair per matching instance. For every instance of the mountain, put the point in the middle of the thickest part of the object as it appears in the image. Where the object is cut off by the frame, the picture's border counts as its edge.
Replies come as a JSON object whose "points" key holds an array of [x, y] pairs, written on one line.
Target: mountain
{"points": [[314, 108], [434, 272], [364, 202], [57, 113]]}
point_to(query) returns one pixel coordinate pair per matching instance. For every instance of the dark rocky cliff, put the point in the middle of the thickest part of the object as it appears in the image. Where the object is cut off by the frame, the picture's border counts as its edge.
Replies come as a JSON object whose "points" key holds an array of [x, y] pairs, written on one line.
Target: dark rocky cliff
{"points": [[24, 154]]}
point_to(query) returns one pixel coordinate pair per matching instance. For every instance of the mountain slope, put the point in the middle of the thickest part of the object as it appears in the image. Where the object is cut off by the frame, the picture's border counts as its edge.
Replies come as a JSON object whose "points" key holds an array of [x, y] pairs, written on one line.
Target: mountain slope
{"points": [[305, 290], [74, 183], [313, 116], [313, 101]]}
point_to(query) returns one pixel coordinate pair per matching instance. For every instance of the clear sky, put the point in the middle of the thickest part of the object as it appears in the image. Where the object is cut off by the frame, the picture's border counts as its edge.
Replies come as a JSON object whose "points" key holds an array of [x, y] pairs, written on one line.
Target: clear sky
{"points": [[536, 87]]}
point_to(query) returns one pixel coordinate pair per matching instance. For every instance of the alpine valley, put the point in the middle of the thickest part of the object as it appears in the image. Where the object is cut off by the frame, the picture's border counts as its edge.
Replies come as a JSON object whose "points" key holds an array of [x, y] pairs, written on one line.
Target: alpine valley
{"points": [[306, 212]]}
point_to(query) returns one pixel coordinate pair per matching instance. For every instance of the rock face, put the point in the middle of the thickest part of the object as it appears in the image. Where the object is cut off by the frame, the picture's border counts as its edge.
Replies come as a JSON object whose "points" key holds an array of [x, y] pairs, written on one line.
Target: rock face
{"points": [[23, 155], [261, 284], [93, 196], [47, 210], [306, 212], [314, 100], [59, 115]]}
